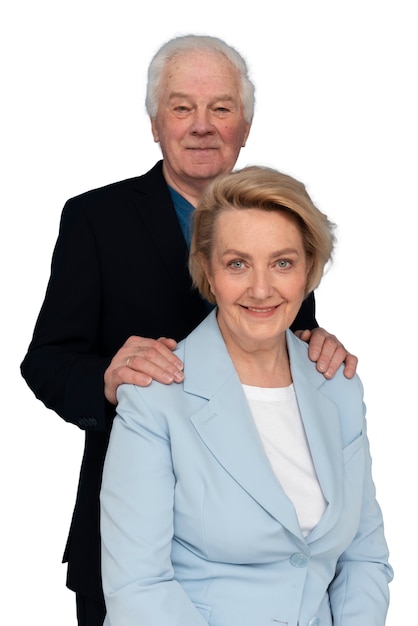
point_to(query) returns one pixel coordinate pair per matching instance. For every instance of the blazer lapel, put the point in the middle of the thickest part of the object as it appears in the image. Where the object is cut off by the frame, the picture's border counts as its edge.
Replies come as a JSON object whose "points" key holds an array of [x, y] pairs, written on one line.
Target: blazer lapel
{"points": [[225, 423], [321, 421]]}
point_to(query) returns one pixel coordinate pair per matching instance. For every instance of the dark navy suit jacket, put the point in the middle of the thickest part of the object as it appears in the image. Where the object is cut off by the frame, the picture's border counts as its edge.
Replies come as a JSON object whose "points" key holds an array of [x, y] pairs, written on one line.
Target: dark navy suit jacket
{"points": [[119, 268]]}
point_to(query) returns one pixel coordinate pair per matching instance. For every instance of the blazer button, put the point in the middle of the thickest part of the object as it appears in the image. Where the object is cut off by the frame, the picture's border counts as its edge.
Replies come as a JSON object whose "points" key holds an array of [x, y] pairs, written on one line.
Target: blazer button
{"points": [[299, 560], [314, 621], [87, 422]]}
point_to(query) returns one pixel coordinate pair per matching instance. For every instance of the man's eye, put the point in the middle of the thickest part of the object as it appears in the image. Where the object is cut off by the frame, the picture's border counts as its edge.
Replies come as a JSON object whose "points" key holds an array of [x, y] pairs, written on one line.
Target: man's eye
{"points": [[181, 110]]}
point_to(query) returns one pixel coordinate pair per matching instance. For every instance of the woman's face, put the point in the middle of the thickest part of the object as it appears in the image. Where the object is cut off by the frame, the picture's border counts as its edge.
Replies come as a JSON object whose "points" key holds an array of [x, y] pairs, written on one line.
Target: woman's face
{"points": [[257, 273]]}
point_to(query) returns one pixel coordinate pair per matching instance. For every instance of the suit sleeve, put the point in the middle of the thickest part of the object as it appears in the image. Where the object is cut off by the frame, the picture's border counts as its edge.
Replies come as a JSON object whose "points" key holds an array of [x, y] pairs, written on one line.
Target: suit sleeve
{"points": [[305, 318], [137, 498], [63, 365]]}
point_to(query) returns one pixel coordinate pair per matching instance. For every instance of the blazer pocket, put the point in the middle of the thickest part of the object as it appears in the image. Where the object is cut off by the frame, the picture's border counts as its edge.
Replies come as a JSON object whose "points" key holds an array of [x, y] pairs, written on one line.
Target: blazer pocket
{"points": [[352, 448]]}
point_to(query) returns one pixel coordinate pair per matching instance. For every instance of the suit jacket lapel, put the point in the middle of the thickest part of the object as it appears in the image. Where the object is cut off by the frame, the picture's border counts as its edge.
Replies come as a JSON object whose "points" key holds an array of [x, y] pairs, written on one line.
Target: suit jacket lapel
{"points": [[226, 426], [225, 423], [321, 421], [156, 209]]}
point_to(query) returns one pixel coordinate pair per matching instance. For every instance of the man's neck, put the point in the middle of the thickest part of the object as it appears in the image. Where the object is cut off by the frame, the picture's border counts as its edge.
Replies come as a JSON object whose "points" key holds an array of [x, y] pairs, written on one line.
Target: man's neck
{"points": [[192, 193]]}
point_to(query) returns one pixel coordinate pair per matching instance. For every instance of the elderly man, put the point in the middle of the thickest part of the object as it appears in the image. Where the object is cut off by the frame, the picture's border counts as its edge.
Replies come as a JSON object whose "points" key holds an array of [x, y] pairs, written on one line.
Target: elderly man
{"points": [[119, 279]]}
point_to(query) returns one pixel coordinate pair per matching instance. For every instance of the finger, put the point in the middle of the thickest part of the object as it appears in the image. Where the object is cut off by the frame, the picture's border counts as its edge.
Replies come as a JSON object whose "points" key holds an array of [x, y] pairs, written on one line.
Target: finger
{"points": [[115, 376], [317, 344], [150, 372], [328, 366], [157, 363], [159, 351], [304, 335], [170, 343], [127, 375], [156, 353], [140, 361], [332, 354], [350, 367]]}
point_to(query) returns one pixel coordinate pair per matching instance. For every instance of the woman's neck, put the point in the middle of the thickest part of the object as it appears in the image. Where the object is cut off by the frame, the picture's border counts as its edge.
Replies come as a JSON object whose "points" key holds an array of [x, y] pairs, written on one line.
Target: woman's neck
{"points": [[265, 367]]}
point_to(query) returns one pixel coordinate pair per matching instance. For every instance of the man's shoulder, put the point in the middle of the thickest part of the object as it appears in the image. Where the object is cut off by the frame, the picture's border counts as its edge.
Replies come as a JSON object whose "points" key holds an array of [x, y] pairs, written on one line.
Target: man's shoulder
{"points": [[108, 193]]}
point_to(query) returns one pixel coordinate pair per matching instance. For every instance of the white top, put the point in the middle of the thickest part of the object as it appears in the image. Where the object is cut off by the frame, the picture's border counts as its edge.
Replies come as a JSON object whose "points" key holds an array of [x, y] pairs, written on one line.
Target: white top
{"points": [[277, 417]]}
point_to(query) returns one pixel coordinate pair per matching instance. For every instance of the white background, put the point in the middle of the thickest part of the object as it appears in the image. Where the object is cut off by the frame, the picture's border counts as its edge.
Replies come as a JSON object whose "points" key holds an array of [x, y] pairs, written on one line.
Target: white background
{"points": [[336, 107]]}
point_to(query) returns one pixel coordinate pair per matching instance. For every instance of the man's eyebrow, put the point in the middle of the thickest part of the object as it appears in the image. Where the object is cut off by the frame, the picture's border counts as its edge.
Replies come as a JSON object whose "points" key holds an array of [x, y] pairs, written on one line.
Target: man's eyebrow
{"points": [[179, 94]]}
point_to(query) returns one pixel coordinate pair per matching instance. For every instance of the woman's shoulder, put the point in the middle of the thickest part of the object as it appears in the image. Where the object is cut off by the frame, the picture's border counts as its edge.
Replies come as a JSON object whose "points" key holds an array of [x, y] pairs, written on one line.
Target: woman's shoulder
{"points": [[338, 385]]}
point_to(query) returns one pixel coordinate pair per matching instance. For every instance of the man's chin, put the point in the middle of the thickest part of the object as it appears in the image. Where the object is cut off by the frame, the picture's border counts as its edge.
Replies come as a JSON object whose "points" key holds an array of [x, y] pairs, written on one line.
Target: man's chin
{"points": [[206, 170]]}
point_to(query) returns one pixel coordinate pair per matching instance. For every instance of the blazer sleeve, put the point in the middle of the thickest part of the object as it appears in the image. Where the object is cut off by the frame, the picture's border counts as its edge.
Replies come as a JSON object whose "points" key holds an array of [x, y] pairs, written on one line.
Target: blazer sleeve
{"points": [[137, 527], [63, 366], [359, 593]]}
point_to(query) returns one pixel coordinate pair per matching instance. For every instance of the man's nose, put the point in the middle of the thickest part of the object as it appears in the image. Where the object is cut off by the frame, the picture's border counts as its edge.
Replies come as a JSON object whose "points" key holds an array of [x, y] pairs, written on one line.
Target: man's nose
{"points": [[202, 124]]}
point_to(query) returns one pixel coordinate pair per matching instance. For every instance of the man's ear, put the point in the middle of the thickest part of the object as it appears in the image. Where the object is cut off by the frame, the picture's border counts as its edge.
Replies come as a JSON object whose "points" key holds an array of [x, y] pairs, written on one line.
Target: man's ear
{"points": [[154, 130], [247, 132]]}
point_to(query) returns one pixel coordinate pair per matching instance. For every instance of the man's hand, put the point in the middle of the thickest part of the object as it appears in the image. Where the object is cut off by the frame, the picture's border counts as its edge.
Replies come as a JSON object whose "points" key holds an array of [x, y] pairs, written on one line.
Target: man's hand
{"points": [[140, 361], [328, 353]]}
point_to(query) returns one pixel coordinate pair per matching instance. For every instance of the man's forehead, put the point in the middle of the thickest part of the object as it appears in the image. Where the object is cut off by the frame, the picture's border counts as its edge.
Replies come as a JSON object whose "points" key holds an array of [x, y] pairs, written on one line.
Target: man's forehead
{"points": [[191, 60], [197, 72]]}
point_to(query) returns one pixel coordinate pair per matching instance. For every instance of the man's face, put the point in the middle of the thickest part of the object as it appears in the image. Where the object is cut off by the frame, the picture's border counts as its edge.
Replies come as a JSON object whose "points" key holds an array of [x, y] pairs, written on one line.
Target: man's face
{"points": [[199, 123]]}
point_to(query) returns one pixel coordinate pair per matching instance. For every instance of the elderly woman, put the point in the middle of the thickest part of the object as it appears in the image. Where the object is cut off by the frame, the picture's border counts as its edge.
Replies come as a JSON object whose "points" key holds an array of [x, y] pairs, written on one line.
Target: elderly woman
{"points": [[244, 496]]}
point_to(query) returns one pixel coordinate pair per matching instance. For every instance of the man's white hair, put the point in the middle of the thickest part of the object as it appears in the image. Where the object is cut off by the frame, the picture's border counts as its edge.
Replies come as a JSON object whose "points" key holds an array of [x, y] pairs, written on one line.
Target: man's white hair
{"points": [[205, 43]]}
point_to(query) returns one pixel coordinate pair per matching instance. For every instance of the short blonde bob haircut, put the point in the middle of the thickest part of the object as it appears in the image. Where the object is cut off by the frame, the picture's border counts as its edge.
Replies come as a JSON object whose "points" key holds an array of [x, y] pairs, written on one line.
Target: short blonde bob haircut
{"points": [[263, 188]]}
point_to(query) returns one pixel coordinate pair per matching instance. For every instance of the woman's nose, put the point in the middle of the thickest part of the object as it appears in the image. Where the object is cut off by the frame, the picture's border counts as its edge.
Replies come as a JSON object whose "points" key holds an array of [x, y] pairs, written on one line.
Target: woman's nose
{"points": [[261, 284]]}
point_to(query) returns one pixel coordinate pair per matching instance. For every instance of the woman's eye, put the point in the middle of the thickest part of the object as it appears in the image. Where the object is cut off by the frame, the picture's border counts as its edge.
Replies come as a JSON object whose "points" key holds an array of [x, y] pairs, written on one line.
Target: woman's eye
{"points": [[236, 264], [283, 263]]}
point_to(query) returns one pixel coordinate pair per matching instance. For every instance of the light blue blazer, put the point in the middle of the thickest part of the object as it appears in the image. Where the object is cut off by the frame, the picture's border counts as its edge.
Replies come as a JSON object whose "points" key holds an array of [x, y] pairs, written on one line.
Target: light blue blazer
{"points": [[195, 526]]}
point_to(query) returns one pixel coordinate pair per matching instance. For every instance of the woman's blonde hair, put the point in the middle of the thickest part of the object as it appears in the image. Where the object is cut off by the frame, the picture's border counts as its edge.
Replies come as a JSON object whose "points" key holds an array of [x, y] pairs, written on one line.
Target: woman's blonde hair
{"points": [[257, 187]]}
